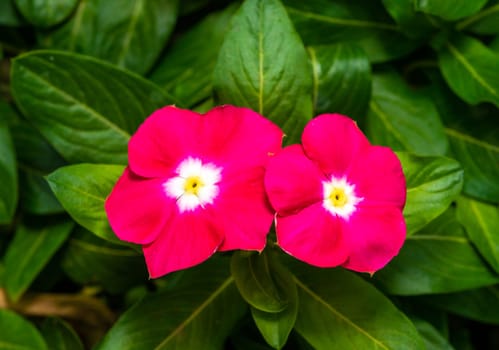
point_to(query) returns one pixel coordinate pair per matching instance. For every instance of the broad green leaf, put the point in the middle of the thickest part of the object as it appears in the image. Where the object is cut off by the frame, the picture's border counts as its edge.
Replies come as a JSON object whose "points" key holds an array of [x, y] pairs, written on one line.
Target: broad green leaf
{"points": [[19, 334], [91, 260], [363, 22], [30, 250], [198, 313], [449, 9], [438, 259], [270, 290], [404, 119], [8, 14], [431, 336], [8, 175], [128, 33], [82, 190], [186, 71], [471, 69], [472, 133], [432, 184], [481, 221], [45, 13], [342, 79], [59, 335], [339, 310], [478, 304], [264, 66], [484, 22], [85, 108], [414, 24], [36, 159]]}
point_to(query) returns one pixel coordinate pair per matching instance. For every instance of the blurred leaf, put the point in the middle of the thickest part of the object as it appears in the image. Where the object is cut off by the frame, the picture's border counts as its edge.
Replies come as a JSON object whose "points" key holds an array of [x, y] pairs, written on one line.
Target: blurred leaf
{"points": [[86, 108], [186, 71], [339, 310], [264, 66], [363, 22], [45, 13], [449, 9], [478, 304], [484, 22], [128, 33], [198, 313], [91, 260], [19, 334], [414, 24], [437, 259], [9, 15], [342, 79], [30, 250], [432, 338], [432, 184], [8, 175], [403, 118], [481, 221], [59, 335], [471, 69], [82, 190]]}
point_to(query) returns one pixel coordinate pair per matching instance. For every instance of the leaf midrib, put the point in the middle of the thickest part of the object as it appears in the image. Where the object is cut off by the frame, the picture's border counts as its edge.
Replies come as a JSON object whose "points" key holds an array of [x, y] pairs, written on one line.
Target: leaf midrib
{"points": [[470, 139], [339, 314], [483, 225]]}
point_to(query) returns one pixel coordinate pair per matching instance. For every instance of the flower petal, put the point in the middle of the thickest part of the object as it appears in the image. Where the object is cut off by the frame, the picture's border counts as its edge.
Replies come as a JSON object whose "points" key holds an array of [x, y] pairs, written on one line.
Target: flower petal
{"points": [[333, 141], [188, 240], [238, 137], [243, 211], [137, 208], [378, 178], [292, 181], [165, 138], [374, 235], [312, 235]]}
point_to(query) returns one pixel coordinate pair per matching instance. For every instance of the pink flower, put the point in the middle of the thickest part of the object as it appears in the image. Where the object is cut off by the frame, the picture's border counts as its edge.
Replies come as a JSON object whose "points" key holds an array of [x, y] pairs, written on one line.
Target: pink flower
{"points": [[194, 186], [338, 199]]}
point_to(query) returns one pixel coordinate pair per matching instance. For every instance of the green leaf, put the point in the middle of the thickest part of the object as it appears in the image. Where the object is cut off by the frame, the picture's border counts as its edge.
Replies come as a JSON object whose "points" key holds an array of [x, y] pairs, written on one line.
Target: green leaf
{"points": [[484, 22], [471, 69], [414, 24], [59, 335], [8, 175], [432, 184], [85, 108], [264, 66], [19, 334], [481, 222], [334, 68], [198, 313], [45, 13], [82, 190], [437, 259], [478, 304], [30, 250], [403, 119], [449, 9], [432, 337], [129, 33], [363, 22], [186, 71], [8, 14], [339, 310], [91, 260]]}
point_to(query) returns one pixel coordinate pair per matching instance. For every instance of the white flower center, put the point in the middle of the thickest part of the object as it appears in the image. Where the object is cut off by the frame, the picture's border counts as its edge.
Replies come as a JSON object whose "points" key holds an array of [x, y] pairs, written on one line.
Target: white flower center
{"points": [[339, 197], [196, 184]]}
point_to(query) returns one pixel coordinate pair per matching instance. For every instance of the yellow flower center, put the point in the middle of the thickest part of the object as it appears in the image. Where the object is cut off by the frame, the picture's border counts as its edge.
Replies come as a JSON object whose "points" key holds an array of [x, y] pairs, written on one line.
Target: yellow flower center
{"points": [[338, 197], [193, 184]]}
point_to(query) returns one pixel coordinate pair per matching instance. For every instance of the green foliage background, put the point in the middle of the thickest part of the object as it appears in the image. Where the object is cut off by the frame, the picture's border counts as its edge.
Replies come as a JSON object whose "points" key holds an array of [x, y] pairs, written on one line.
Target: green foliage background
{"points": [[77, 77]]}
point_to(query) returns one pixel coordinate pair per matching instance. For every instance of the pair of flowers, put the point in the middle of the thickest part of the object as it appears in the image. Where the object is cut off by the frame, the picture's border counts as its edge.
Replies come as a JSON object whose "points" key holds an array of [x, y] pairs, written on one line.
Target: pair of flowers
{"points": [[197, 184]]}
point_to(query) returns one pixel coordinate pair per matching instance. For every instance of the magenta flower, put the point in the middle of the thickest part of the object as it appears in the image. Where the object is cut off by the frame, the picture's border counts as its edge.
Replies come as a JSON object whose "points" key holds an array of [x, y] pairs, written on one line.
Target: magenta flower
{"points": [[338, 199], [194, 186]]}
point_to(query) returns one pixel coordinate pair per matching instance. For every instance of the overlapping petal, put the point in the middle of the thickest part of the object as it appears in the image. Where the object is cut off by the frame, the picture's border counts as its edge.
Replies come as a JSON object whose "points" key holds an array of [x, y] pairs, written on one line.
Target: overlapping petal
{"points": [[333, 141]]}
